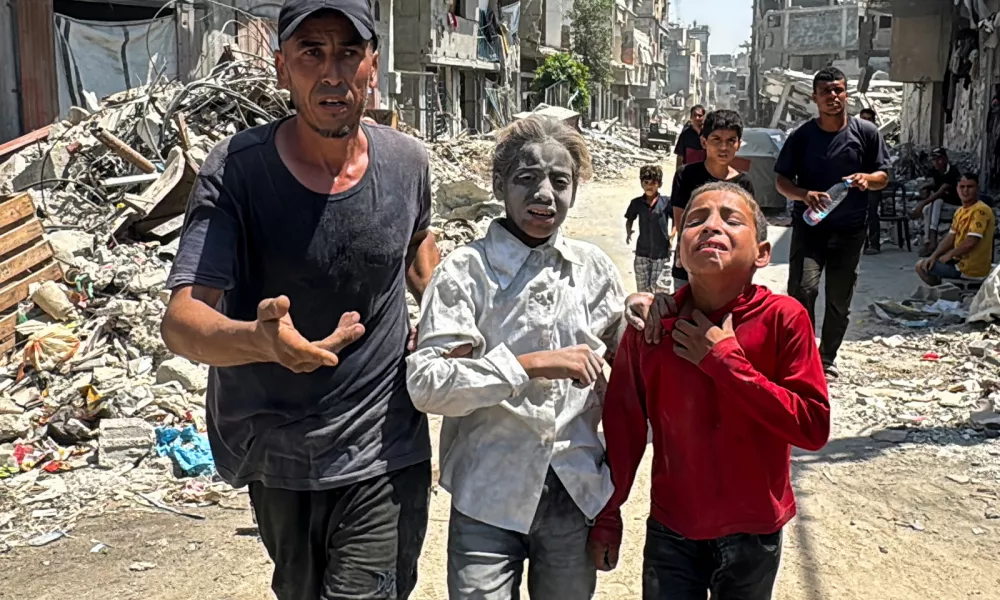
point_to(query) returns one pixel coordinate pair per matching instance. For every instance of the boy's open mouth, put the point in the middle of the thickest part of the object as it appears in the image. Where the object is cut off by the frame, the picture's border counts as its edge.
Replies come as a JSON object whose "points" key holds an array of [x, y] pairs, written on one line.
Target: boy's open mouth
{"points": [[711, 246], [542, 213]]}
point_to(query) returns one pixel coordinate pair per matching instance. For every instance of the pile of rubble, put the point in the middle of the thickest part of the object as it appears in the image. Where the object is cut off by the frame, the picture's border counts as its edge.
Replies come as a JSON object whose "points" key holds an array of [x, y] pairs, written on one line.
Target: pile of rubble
{"points": [[787, 95], [94, 412], [930, 385]]}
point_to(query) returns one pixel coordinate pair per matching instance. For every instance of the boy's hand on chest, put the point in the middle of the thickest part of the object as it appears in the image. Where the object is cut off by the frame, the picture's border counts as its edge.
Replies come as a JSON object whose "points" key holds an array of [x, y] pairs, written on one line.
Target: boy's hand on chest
{"points": [[695, 338]]}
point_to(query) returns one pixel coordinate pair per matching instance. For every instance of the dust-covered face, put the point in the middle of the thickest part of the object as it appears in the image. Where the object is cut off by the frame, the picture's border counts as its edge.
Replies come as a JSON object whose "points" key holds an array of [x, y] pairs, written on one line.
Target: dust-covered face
{"points": [[539, 191], [719, 236]]}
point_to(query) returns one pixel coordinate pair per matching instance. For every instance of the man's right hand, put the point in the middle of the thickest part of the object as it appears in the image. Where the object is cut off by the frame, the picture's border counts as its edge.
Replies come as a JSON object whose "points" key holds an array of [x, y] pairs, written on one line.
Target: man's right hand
{"points": [[579, 363], [286, 346], [628, 238], [817, 200]]}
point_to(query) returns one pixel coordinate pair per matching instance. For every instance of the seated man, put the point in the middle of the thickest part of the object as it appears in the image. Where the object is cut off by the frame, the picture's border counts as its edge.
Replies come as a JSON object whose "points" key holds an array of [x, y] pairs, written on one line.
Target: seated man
{"points": [[967, 250], [939, 198]]}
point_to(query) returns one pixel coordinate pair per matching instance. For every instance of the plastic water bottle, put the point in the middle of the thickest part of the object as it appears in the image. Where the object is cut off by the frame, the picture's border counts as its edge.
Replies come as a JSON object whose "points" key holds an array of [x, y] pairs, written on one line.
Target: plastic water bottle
{"points": [[837, 194]]}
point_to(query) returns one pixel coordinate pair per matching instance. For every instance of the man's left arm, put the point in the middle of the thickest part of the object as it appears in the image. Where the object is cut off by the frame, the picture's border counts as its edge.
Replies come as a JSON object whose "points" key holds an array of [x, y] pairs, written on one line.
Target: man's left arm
{"points": [[422, 255], [877, 162], [978, 225]]}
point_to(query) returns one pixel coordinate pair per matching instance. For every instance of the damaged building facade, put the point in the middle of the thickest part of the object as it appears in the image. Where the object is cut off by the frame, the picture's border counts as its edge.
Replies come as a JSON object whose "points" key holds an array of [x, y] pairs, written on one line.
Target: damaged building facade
{"points": [[946, 55], [688, 65], [808, 35], [730, 81], [447, 67]]}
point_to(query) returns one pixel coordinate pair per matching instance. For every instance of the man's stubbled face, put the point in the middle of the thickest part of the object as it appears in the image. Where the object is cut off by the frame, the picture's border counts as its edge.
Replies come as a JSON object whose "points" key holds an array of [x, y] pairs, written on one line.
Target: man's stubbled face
{"points": [[329, 71], [831, 97], [540, 189]]}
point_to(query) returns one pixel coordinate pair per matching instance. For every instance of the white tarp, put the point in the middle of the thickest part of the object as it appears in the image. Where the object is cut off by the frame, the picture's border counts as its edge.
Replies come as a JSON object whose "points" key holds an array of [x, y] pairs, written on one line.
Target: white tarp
{"points": [[103, 58], [986, 305]]}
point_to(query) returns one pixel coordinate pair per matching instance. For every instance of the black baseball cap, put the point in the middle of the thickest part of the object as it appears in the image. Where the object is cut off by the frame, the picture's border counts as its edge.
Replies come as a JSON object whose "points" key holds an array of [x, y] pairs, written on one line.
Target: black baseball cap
{"points": [[939, 151], [294, 12]]}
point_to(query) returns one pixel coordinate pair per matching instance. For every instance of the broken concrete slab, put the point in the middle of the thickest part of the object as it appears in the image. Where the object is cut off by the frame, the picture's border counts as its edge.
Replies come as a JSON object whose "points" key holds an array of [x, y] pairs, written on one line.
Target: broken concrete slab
{"points": [[123, 441], [896, 436], [14, 426], [190, 376]]}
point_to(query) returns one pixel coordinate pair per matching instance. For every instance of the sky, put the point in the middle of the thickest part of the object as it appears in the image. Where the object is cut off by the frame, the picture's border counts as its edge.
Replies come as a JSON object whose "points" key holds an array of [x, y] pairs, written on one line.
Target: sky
{"points": [[729, 19]]}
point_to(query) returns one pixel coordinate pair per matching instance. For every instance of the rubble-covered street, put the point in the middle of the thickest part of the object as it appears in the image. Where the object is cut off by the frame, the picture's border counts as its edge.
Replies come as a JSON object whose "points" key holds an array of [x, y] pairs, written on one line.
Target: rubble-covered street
{"points": [[903, 503]]}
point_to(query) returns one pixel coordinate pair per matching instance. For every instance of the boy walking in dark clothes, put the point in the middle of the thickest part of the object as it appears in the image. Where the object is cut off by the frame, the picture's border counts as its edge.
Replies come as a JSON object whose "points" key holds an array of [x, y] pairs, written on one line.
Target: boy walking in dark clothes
{"points": [[753, 387], [721, 135], [652, 249]]}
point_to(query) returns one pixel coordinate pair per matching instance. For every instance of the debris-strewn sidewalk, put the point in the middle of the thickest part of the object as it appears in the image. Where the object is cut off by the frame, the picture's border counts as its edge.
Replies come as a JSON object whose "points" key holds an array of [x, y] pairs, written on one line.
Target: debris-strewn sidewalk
{"points": [[95, 414]]}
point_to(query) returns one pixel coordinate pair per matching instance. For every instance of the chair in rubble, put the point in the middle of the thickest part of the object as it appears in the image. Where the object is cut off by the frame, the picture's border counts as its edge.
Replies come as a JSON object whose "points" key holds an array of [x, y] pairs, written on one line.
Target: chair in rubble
{"points": [[892, 209]]}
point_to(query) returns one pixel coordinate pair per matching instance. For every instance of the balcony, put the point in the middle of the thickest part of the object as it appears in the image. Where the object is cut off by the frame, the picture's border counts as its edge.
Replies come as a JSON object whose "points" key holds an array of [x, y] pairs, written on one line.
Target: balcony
{"points": [[459, 42]]}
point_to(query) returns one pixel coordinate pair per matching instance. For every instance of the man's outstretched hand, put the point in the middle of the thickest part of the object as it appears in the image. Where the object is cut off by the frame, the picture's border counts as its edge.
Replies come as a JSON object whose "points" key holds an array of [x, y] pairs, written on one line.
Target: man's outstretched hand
{"points": [[286, 346], [646, 312]]}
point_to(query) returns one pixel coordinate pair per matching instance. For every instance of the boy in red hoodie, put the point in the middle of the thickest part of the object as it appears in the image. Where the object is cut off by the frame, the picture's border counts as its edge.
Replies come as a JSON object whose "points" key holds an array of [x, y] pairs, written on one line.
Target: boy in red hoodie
{"points": [[739, 384]]}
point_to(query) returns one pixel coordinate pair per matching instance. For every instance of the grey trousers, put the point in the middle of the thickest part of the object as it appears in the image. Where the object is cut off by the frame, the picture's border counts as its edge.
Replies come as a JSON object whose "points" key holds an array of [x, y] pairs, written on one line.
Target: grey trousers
{"points": [[487, 563]]}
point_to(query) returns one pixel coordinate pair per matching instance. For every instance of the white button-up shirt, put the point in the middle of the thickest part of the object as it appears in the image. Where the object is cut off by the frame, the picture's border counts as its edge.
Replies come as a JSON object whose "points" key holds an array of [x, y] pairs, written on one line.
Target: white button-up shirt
{"points": [[502, 430]]}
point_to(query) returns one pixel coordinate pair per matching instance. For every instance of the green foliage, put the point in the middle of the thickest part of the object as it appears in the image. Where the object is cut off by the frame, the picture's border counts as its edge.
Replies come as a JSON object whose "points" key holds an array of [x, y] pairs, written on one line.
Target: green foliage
{"points": [[592, 37], [563, 67]]}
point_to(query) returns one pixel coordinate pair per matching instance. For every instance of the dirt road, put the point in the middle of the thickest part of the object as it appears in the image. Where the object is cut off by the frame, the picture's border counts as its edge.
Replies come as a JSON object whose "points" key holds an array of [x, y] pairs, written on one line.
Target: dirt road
{"points": [[876, 520]]}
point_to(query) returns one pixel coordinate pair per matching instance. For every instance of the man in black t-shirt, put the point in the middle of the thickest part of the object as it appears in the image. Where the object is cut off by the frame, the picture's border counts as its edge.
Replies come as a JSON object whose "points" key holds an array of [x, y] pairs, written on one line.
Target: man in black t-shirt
{"points": [[300, 239], [940, 198], [652, 249], [689, 149], [820, 154], [721, 137]]}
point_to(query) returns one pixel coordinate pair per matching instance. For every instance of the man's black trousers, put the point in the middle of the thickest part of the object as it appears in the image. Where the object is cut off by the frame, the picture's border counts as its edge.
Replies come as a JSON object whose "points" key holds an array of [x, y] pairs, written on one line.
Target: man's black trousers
{"points": [[358, 542], [838, 252]]}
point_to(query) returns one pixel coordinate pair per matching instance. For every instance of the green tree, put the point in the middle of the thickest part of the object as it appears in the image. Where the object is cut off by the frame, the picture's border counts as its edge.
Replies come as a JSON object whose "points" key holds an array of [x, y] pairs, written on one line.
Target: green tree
{"points": [[592, 35], [560, 68]]}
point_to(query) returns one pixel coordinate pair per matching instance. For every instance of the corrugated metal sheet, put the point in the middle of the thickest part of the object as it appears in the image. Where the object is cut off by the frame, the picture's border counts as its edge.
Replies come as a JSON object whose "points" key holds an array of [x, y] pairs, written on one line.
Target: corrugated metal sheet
{"points": [[36, 52]]}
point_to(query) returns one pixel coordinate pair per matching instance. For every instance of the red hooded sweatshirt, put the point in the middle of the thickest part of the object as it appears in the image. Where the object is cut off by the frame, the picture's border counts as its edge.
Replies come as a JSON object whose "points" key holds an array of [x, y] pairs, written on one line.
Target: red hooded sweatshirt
{"points": [[722, 430]]}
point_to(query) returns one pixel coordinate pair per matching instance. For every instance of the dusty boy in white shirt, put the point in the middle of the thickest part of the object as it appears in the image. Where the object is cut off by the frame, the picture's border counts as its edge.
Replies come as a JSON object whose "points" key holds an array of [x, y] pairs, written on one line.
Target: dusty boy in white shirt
{"points": [[512, 335]]}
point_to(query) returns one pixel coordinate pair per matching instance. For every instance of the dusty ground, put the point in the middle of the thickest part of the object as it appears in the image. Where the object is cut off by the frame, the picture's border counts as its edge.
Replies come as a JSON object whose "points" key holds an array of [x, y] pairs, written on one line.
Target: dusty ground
{"points": [[876, 520]]}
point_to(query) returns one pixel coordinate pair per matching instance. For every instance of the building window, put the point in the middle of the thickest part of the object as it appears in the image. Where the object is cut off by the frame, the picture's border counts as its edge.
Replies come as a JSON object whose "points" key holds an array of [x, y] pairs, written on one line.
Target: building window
{"points": [[885, 22], [774, 21]]}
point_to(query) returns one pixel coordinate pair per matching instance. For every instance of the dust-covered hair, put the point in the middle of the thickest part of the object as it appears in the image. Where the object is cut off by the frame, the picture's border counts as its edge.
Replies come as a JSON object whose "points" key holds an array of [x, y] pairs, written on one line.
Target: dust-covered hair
{"points": [[651, 173], [760, 223], [537, 130]]}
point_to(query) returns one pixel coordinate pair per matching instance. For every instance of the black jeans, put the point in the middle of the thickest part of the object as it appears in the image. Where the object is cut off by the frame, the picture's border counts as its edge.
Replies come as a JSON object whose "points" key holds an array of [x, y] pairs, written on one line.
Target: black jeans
{"points": [[838, 252], [735, 567], [360, 541]]}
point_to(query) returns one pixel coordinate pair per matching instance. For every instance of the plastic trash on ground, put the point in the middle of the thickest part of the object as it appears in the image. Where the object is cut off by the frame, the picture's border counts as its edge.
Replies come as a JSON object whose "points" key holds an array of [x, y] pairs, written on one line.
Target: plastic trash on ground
{"points": [[188, 448]]}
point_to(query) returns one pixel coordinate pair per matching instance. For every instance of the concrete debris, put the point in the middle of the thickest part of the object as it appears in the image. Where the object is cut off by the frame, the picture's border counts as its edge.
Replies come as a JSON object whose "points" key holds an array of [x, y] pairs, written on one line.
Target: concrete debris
{"points": [[124, 441], [192, 377], [787, 97]]}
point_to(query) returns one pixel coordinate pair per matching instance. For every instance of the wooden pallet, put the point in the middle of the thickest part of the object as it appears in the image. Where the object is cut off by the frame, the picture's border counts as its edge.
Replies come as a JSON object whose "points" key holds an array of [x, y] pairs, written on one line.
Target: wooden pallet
{"points": [[25, 258]]}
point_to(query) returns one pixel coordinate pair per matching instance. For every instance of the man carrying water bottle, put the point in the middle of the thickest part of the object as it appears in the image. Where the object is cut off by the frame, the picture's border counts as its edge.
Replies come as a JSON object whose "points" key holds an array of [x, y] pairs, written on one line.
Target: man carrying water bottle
{"points": [[829, 151]]}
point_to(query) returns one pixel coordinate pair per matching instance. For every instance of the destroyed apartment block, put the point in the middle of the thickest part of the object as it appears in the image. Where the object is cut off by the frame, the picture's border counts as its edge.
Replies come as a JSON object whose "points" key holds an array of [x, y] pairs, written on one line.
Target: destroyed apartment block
{"points": [[787, 97]]}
